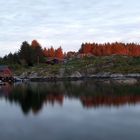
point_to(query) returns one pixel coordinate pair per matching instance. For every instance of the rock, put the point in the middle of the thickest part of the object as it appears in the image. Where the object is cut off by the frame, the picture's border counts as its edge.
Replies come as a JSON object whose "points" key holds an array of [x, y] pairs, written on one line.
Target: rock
{"points": [[102, 75], [23, 75], [117, 76], [106, 75], [93, 76], [136, 75], [76, 74], [33, 75]]}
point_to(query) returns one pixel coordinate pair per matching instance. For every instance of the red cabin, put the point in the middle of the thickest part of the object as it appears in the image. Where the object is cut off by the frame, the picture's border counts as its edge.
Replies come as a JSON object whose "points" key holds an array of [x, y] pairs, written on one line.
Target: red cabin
{"points": [[5, 72]]}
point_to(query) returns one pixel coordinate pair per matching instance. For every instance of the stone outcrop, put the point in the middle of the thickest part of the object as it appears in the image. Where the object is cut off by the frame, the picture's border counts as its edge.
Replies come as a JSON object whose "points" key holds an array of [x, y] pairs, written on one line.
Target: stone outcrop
{"points": [[76, 74]]}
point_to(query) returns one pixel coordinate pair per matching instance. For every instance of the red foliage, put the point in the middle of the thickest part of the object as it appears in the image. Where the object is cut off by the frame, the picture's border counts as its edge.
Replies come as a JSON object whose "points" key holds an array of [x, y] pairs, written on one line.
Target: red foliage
{"points": [[45, 52], [59, 53], [52, 53], [35, 44], [106, 49]]}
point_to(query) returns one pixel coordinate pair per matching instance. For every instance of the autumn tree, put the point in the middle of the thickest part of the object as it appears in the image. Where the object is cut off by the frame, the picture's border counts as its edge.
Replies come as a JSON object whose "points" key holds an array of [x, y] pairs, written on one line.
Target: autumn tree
{"points": [[59, 53], [35, 44], [37, 52], [51, 52], [45, 52], [117, 48]]}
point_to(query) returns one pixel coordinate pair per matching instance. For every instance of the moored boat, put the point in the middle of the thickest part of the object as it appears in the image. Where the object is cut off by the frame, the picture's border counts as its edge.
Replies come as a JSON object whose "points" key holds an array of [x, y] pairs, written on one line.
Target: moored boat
{"points": [[2, 83]]}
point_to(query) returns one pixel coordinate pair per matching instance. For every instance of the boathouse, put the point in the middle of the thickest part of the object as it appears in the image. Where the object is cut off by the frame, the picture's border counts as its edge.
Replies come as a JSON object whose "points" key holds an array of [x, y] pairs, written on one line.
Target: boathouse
{"points": [[5, 72]]}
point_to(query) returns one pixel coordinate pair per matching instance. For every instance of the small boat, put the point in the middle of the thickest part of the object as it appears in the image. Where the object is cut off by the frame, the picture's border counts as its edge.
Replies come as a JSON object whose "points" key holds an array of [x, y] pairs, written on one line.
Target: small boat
{"points": [[16, 79], [2, 83]]}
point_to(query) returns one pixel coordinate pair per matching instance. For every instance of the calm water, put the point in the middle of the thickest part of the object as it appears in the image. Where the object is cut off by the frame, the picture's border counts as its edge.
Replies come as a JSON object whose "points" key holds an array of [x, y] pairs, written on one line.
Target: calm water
{"points": [[70, 111]]}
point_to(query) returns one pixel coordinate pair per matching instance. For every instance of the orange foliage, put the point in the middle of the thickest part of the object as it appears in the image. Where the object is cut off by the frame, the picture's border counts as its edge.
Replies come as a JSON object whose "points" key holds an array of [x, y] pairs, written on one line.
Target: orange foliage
{"points": [[52, 53], [35, 44], [59, 53], [45, 52], [129, 49]]}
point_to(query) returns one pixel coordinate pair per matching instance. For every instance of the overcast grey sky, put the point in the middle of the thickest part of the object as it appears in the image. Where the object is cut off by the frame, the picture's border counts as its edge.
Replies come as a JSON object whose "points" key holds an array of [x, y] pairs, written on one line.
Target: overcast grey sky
{"points": [[67, 23]]}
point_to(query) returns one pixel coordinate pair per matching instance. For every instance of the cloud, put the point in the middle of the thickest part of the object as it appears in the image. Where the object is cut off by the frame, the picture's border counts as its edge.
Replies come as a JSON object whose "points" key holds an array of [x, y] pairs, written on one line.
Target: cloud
{"points": [[67, 22]]}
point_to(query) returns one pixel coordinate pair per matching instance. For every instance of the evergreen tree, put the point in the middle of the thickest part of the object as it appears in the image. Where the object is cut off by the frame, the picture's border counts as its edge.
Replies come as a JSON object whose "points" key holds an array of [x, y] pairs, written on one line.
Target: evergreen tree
{"points": [[26, 53]]}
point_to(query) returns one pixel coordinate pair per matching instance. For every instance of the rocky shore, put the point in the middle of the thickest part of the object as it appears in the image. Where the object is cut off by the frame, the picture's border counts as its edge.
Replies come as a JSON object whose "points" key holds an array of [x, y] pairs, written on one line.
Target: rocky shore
{"points": [[104, 77], [108, 68]]}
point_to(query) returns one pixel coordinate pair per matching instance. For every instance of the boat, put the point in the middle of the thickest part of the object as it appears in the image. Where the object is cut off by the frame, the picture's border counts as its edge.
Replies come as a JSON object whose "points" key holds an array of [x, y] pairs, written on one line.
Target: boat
{"points": [[2, 83], [16, 79]]}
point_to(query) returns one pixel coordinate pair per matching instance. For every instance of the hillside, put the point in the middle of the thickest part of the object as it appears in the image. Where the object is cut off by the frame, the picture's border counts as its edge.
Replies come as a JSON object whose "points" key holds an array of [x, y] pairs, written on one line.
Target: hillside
{"points": [[83, 66]]}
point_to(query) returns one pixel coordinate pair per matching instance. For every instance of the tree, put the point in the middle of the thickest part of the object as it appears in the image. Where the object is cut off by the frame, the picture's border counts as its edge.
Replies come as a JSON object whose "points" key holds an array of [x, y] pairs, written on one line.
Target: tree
{"points": [[59, 53], [26, 53], [129, 49], [45, 52], [35, 44], [52, 52], [37, 52]]}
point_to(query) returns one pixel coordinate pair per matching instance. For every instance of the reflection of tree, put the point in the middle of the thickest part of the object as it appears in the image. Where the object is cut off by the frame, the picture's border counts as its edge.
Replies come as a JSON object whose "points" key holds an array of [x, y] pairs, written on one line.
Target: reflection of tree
{"points": [[109, 100], [51, 99], [96, 94], [32, 97]]}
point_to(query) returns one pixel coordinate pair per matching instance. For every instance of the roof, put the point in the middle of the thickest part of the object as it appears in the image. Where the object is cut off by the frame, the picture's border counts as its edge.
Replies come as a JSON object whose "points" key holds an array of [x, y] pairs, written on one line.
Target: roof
{"points": [[5, 71], [2, 67]]}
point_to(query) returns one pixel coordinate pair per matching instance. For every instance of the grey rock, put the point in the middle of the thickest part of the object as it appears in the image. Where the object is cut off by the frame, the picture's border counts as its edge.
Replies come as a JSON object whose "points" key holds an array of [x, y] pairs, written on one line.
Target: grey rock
{"points": [[103, 75], [33, 75], [117, 76], [76, 74], [133, 75]]}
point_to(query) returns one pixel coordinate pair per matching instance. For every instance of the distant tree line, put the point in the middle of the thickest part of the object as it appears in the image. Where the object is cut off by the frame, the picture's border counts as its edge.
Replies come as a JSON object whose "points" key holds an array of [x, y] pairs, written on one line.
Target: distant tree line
{"points": [[128, 49], [31, 54]]}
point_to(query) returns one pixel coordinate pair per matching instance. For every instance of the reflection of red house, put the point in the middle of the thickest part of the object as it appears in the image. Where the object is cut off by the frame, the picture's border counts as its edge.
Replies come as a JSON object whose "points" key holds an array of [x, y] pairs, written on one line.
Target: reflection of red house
{"points": [[6, 90], [5, 72]]}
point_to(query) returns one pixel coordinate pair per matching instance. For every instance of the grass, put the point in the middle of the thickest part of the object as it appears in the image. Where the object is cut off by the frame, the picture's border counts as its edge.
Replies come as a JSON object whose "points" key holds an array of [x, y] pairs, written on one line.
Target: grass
{"points": [[87, 65]]}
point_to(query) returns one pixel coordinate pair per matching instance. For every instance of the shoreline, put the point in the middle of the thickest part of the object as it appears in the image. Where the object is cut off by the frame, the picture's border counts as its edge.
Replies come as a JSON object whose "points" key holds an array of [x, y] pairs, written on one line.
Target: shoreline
{"points": [[112, 78]]}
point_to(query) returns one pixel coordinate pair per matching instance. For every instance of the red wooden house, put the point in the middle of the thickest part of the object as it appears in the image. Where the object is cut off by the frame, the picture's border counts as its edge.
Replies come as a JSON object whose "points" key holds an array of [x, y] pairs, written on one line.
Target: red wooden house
{"points": [[5, 72]]}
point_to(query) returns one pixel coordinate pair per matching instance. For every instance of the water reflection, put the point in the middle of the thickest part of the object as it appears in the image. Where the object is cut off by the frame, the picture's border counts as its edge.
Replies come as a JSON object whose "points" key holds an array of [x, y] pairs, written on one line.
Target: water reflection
{"points": [[32, 96]]}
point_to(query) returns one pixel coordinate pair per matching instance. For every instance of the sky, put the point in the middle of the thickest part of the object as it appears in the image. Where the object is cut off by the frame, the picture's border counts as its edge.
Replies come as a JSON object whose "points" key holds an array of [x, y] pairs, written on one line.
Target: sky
{"points": [[67, 23]]}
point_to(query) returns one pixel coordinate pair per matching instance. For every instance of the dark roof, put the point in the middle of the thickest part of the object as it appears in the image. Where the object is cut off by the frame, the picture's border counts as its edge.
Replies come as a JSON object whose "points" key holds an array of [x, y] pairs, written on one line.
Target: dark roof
{"points": [[2, 67]]}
